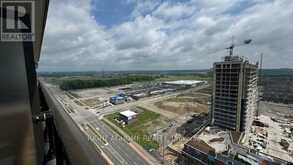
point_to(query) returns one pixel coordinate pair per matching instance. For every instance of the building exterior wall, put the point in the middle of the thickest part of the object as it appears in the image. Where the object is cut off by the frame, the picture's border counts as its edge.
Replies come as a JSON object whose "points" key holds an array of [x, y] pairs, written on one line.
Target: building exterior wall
{"points": [[234, 94], [250, 96], [117, 100], [127, 119], [192, 156]]}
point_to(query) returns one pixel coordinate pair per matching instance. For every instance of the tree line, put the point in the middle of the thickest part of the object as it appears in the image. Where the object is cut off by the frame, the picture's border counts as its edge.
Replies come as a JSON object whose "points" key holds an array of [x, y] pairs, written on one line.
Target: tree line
{"points": [[95, 83]]}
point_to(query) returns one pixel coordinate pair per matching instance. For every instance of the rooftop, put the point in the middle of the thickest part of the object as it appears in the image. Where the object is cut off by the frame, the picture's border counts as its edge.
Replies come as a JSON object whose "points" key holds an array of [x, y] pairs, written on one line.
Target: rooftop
{"points": [[215, 138], [128, 113], [184, 82], [201, 145]]}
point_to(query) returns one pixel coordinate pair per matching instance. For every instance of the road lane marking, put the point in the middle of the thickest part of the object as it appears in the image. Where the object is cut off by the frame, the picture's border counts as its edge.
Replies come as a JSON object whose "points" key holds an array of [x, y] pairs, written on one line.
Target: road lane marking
{"points": [[117, 155], [100, 137], [108, 160], [141, 154]]}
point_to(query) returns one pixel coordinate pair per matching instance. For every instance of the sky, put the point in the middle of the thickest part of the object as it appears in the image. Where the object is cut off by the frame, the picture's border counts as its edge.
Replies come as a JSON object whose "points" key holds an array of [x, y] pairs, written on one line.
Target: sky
{"points": [[96, 35]]}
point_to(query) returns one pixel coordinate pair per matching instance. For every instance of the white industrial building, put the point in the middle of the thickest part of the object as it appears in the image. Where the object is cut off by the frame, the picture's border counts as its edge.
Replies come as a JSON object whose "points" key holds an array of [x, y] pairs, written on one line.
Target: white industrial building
{"points": [[185, 83], [127, 116]]}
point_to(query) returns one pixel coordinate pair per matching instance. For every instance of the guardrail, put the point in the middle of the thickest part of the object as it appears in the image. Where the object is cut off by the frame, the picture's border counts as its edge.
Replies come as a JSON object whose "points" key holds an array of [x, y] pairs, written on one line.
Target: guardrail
{"points": [[77, 146]]}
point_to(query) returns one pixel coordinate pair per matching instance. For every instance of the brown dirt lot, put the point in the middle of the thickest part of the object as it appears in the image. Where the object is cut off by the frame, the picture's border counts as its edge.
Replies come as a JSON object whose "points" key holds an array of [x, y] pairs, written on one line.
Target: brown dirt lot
{"points": [[92, 101], [182, 104]]}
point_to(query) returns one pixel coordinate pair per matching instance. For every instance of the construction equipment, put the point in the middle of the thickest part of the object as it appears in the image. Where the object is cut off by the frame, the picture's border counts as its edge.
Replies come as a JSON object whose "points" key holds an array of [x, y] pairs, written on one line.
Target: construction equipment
{"points": [[231, 48]]}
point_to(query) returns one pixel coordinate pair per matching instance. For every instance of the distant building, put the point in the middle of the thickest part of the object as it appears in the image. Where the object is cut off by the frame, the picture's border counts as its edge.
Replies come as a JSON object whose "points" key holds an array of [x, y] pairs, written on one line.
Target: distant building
{"points": [[117, 99], [127, 116], [235, 93], [137, 96], [161, 91], [184, 83]]}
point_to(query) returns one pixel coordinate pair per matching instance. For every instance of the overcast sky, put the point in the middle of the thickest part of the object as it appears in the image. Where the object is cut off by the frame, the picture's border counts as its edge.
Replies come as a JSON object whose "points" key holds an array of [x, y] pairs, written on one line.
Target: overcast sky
{"points": [[85, 35]]}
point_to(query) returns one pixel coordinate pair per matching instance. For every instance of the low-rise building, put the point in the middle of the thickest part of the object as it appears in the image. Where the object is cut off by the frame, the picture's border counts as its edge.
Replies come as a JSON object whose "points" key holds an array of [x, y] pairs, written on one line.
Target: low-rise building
{"points": [[214, 146], [117, 99], [137, 96], [184, 83], [127, 116], [207, 147], [161, 91], [196, 151]]}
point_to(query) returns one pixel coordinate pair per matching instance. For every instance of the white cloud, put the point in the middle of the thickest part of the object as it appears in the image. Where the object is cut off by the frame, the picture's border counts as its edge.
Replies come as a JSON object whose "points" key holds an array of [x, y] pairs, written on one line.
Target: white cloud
{"points": [[166, 35], [174, 10], [143, 7]]}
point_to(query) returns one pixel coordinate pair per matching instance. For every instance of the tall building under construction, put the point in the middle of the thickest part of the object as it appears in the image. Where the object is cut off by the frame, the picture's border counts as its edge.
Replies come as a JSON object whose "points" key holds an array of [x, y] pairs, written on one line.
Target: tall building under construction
{"points": [[235, 94]]}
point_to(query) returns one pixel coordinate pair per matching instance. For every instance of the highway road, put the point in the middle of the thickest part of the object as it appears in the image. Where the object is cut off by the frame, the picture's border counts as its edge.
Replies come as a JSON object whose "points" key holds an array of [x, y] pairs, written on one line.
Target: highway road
{"points": [[116, 149]]}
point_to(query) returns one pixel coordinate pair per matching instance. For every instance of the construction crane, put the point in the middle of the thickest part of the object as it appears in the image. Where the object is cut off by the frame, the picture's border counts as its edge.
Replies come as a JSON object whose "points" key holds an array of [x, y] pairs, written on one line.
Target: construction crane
{"points": [[231, 48]]}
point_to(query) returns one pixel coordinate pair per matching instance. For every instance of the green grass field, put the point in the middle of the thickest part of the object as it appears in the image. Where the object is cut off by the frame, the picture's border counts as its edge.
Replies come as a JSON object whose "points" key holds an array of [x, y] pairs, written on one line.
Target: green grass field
{"points": [[137, 131]]}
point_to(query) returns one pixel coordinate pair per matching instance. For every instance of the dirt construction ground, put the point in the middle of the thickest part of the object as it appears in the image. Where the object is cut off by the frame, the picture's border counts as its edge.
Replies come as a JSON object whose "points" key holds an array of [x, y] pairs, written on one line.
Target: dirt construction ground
{"points": [[181, 104]]}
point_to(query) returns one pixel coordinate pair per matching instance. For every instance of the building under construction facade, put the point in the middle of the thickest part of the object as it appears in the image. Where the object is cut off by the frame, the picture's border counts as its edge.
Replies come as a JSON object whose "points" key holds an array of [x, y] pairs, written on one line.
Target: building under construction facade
{"points": [[235, 94]]}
